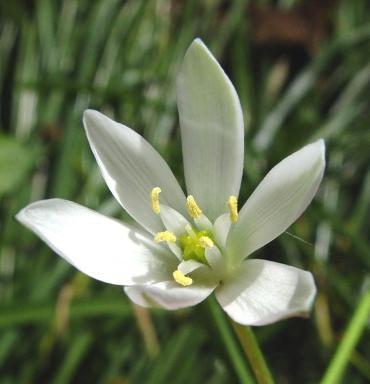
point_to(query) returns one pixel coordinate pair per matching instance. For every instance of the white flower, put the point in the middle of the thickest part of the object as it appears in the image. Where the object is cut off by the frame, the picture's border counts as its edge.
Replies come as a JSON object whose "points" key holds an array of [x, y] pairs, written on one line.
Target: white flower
{"points": [[190, 246]]}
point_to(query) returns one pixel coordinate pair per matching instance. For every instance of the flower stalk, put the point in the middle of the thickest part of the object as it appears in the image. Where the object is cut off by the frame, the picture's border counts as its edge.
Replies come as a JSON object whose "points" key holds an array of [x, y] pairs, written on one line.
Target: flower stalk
{"points": [[232, 349], [253, 353]]}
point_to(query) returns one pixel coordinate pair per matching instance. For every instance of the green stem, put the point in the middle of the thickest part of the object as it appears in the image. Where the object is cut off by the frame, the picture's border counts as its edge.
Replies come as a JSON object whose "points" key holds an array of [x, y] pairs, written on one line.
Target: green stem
{"points": [[253, 353], [231, 346], [351, 336]]}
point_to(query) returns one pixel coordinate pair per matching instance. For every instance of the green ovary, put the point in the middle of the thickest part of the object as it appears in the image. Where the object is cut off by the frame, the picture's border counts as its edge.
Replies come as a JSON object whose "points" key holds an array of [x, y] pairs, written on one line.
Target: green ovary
{"points": [[190, 245]]}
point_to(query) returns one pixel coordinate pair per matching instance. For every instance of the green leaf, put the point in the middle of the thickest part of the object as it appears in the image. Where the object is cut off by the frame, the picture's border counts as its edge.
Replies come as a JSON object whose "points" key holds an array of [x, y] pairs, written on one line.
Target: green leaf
{"points": [[15, 161]]}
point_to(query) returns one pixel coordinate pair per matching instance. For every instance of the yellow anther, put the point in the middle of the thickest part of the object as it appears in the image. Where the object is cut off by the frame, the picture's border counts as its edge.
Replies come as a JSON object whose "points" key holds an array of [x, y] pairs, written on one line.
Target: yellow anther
{"points": [[232, 203], [165, 236], [205, 242], [181, 279], [154, 198], [192, 207]]}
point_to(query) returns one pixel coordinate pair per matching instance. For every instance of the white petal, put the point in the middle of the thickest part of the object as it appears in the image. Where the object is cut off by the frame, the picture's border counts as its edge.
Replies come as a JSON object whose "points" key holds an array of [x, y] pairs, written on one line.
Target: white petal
{"points": [[203, 223], [98, 246], [168, 295], [221, 229], [188, 266], [176, 250], [216, 261], [212, 130], [174, 221], [278, 201], [262, 292], [131, 168]]}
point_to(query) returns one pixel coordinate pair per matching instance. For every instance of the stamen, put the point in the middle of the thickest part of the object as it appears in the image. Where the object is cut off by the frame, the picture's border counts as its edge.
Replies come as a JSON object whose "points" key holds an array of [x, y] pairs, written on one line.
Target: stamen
{"points": [[232, 203], [192, 207], [206, 242], [154, 198], [181, 279], [165, 236]]}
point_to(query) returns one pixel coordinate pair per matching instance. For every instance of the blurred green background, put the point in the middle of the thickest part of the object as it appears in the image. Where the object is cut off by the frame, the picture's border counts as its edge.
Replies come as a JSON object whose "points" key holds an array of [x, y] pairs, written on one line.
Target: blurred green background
{"points": [[302, 71]]}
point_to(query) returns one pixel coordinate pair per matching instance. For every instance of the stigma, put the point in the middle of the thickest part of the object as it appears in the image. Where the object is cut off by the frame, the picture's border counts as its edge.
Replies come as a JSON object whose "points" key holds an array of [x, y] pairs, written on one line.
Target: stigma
{"points": [[165, 236], [232, 204], [181, 279], [154, 198], [192, 207]]}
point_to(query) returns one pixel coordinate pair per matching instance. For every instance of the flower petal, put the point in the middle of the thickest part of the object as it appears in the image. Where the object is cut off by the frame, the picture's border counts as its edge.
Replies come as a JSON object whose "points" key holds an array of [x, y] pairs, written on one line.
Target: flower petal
{"points": [[188, 266], [168, 295], [176, 250], [173, 221], [203, 223], [98, 246], [212, 130], [216, 261], [262, 292], [221, 229], [278, 201], [131, 168]]}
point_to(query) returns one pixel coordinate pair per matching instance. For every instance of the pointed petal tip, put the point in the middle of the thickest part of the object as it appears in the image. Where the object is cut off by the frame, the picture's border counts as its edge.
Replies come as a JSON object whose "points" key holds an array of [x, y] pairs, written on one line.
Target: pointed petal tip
{"points": [[23, 215], [197, 42], [311, 298], [314, 152], [88, 113], [319, 146], [90, 116], [198, 46], [320, 143], [20, 216]]}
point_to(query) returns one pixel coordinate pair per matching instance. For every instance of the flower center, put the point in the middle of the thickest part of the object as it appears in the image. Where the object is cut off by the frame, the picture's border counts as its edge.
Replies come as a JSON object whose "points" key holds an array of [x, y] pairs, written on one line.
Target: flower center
{"points": [[193, 244]]}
